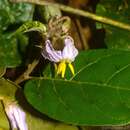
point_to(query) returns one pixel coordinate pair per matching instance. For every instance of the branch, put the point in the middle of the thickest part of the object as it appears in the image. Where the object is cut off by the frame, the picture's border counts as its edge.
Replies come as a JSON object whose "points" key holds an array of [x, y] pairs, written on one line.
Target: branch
{"points": [[79, 12], [25, 75]]}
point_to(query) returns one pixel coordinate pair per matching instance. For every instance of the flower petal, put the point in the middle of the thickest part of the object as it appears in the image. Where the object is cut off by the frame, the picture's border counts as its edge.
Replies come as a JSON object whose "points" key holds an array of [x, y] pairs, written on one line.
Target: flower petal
{"points": [[9, 113], [69, 51], [20, 117], [16, 117], [50, 53]]}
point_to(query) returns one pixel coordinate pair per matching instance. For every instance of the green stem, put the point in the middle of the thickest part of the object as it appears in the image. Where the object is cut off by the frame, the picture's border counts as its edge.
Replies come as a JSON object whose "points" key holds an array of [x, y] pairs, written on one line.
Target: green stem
{"points": [[79, 12]]}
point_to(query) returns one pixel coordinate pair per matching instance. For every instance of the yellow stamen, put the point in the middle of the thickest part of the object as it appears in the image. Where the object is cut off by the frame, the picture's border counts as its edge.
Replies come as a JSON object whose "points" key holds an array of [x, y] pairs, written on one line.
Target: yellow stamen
{"points": [[59, 70], [63, 70], [71, 68]]}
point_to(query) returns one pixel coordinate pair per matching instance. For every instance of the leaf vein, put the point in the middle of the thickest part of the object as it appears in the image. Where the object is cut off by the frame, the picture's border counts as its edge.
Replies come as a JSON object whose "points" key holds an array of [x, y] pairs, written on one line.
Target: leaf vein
{"points": [[60, 99], [117, 72], [89, 65]]}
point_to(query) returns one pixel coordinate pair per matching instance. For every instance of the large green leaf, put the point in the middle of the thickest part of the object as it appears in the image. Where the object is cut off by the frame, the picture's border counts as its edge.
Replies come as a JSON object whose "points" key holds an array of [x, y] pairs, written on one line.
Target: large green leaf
{"points": [[98, 94], [118, 10], [11, 13]]}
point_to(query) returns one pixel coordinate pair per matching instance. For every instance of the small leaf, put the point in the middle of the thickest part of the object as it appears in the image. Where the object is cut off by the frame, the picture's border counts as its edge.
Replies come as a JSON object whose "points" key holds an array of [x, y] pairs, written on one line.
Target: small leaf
{"points": [[98, 94], [32, 26], [7, 89]]}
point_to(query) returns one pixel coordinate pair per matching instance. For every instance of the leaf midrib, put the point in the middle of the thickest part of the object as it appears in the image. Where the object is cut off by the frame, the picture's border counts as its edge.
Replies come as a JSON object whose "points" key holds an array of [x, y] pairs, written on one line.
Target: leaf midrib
{"points": [[80, 82]]}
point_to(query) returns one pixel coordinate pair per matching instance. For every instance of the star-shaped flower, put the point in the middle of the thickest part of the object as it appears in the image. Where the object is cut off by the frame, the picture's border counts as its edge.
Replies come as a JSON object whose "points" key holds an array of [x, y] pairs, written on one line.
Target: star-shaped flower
{"points": [[61, 57]]}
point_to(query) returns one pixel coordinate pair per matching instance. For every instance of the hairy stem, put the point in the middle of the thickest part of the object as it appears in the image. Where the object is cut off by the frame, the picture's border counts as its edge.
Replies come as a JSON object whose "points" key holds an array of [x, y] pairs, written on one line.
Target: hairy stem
{"points": [[79, 12]]}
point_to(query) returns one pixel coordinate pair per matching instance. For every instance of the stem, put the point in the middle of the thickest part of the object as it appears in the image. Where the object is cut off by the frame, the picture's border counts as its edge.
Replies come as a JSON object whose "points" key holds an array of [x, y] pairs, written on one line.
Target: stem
{"points": [[25, 75], [81, 34], [79, 12]]}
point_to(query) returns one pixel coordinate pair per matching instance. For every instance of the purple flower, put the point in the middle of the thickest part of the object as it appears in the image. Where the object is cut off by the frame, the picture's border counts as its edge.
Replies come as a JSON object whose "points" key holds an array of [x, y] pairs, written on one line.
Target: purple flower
{"points": [[66, 56], [16, 117]]}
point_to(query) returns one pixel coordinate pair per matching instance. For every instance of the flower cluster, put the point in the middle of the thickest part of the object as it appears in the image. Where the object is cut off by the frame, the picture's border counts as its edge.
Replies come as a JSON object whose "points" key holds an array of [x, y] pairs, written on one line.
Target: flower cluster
{"points": [[61, 57]]}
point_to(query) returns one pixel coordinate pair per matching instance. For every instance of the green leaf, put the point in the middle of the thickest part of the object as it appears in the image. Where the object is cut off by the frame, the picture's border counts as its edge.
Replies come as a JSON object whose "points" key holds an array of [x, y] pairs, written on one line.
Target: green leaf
{"points": [[4, 124], [11, 13], [10, 93], [7, 93], [118, 10], [45, 124], [7, 89], [117, 38], [115, 9], [32, 26], [9, 54], [98, 93]]}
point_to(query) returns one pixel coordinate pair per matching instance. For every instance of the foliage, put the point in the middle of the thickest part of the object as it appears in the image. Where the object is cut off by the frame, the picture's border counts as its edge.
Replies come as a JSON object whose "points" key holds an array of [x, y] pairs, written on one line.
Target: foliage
{"points": [[101, 91], [118, 10], [14, 13], [98, 92]]}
